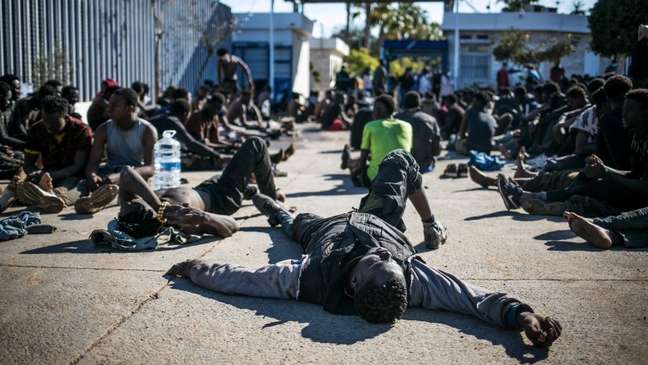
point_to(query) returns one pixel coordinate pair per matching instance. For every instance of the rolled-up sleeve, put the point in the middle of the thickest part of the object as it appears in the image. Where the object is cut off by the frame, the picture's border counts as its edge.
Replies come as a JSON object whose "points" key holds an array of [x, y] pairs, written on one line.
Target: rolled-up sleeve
{"points": [[280, 280]]}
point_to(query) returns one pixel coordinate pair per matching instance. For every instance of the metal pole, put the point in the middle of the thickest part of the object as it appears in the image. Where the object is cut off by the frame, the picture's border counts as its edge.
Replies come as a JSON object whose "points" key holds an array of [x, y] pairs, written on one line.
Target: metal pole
{"points": [[456, 46], [271, 55]]}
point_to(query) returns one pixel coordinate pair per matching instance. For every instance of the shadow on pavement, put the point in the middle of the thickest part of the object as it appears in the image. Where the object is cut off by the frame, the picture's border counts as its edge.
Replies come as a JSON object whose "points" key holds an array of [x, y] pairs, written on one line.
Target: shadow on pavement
{"points": [[331, 152], [320, 327], [516, 216], [86, 246], [558, 245], [562, 234], [345, 188], [510, 340], [479, 188]]}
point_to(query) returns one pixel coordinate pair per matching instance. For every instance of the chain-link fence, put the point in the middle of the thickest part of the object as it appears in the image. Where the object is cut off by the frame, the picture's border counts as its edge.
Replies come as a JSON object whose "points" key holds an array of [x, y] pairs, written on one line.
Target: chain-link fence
{"points": [[82, 42]]}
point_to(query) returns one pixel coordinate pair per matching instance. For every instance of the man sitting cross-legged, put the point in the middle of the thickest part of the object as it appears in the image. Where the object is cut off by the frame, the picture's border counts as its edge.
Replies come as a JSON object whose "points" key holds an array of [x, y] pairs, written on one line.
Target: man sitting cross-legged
{"points": [[358, 263], [204, 209]]}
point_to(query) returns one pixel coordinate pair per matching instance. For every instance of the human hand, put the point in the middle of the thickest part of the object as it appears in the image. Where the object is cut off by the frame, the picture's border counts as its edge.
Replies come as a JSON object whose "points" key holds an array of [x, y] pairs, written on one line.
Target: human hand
{"points": [[94, 181], [434, 234], [182, 269], [594, 167]]}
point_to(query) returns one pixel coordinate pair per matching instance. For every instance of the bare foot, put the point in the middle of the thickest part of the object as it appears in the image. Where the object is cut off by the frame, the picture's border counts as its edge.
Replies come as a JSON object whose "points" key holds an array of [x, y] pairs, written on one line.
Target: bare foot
{"points": [[540, 330], [281, 197], [480, 178], [590, 232], [521, 171]]}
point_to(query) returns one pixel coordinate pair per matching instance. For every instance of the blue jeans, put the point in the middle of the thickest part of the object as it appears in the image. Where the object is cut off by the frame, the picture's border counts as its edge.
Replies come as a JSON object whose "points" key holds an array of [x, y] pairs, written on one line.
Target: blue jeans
{"points": [[632, 226]]}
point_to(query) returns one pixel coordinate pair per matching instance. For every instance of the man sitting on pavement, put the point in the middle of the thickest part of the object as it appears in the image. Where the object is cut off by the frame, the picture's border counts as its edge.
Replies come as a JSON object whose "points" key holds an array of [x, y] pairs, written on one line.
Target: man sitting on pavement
{"points": [[426, 134], [62, 143], [359, 263], [379, 137], [128, 141]]}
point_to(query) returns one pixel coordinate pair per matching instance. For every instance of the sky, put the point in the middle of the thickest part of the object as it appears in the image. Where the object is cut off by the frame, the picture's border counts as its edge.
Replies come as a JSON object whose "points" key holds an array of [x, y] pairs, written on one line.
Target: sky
{"points": [[332, 16]]}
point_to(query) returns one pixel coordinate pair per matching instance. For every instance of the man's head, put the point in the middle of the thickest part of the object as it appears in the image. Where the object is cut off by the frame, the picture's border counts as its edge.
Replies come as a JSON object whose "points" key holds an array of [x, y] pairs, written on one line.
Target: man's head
{"points": [[222, 52], [384, 107], [412, 100], [180, 93], [56, 84], [576, 97], [600, 100], [123, 105], [520, 93], [449, 100], [14, 85], [71, 94], [594, 85], [138, 87], [214, 104], [635, 109], [138, 220], [246, 97], [108, 87], [54, 109], [379, 287], [549, 89], [481, 100], [616, 87], [5, 94], [504, 66], [180, 109]]}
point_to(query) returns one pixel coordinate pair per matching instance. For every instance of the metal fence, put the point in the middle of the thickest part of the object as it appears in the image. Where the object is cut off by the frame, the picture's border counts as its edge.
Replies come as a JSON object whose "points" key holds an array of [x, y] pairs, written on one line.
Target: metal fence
{"points": [[83, 42]]}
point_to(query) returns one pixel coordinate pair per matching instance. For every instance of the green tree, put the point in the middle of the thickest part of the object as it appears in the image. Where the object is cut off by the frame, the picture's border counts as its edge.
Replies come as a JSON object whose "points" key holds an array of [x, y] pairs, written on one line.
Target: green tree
{"points": [[614, 24], [359, 60], [513, 46], [556, 50], [516, 5]]}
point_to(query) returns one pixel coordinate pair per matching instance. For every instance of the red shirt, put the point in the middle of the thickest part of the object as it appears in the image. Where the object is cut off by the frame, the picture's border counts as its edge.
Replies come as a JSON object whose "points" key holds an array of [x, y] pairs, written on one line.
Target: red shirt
{"points": [[58, 150]]}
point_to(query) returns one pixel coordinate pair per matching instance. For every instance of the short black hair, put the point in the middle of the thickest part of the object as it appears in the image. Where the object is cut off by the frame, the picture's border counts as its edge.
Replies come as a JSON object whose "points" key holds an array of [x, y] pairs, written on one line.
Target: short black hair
{"points": [[9, 78], [640, 96], [138, 87], [129, 95], [550, 87], [483, 97], [68, 90], [388, 102], [222, 52], [179, 107], [599, 97], [218, 98], [5, 89], [412, 100], [576, 92], [451, 98], [617, 86], [53, 82], [595, 84], [520, 91], [54, 104], [139, 221], [180, 93], [381, 303]]}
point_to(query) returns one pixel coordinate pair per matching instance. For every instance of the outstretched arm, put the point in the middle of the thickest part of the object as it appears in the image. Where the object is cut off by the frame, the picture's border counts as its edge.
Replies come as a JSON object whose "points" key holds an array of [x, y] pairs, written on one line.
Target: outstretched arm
{"points": [[280, 280]]}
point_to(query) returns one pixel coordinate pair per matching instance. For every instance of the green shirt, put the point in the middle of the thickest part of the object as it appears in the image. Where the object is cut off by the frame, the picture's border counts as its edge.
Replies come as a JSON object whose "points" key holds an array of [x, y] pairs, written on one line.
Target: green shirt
{"points": [[383, 136]]}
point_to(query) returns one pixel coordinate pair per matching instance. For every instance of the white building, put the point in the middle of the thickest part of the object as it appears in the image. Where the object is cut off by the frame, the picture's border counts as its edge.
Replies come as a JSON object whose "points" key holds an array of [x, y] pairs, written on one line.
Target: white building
{"points": [[479, 33], [327, 57], [292, 32]]}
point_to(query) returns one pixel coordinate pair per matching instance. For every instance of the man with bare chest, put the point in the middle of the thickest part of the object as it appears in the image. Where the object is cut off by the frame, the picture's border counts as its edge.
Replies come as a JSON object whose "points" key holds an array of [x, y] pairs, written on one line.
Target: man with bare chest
{"points": [[228, 67]]}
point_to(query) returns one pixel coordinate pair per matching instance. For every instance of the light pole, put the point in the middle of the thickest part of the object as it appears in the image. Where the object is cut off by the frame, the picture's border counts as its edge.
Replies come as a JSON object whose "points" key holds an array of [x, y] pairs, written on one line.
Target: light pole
{"points": [[455, 71], [271, 55]]}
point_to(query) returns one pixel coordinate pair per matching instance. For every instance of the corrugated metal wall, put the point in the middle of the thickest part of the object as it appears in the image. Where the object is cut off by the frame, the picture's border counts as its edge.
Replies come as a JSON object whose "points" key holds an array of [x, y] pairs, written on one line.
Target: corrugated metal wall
{"points": [[86, 41]]}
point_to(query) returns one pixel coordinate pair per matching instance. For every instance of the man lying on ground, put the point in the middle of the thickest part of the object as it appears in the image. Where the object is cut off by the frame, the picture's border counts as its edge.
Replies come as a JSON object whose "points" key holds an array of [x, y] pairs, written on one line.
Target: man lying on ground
{"points": [[359, 263], [204, 209]]}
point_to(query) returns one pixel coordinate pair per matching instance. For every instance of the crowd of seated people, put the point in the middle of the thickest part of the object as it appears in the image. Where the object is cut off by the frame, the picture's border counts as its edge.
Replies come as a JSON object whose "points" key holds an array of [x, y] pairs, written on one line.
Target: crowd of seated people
{"points": [[54, 159]]}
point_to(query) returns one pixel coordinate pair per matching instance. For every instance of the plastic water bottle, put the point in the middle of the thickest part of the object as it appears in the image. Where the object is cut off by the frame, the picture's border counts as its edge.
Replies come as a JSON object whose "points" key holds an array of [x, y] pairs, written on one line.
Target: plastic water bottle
{"points": [[167, 162]]}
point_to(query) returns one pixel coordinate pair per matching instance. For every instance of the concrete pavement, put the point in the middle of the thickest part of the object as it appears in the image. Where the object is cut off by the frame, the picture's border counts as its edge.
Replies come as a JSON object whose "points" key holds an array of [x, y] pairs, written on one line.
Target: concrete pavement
{"points": [[63, 301]]}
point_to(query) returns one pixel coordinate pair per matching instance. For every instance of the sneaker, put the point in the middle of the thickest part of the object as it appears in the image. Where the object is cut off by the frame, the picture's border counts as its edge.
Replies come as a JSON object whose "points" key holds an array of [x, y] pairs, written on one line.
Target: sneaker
{"points": [[269, 207], [346, 156], [30, 194], [435, 234], [98, 200], [289, 151], [509, 192]]}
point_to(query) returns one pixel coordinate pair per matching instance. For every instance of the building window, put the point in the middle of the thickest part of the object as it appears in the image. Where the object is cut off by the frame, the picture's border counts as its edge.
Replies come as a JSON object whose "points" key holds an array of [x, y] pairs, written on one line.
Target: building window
{"points": [[475, 66]]}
